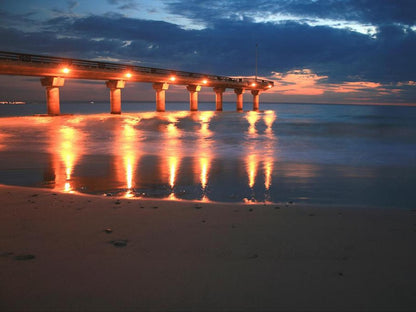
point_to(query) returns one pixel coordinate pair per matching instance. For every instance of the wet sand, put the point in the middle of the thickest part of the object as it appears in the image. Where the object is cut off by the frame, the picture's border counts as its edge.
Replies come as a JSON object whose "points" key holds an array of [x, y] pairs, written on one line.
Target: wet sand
{"points": [[69, 252]]}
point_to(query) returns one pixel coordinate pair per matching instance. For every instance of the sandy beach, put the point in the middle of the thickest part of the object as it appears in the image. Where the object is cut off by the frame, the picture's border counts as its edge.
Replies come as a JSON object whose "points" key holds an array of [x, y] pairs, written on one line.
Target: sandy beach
{"points": [[71, 252]]}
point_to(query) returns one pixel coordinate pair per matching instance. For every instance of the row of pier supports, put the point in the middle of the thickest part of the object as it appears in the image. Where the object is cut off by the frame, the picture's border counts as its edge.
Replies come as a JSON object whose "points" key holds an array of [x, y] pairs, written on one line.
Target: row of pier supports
{"points": [[52, 85]]}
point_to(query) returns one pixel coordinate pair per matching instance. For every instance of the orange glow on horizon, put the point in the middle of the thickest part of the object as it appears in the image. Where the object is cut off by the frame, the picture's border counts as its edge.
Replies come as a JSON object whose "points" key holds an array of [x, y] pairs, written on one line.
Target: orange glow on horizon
{"points": [[306, 82], [298, 82], [354, 87]]}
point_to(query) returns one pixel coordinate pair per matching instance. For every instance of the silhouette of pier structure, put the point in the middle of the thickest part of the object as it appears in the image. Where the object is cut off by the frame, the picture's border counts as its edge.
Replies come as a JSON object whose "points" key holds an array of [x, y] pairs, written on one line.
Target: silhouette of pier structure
{"points": [[53, 71]]}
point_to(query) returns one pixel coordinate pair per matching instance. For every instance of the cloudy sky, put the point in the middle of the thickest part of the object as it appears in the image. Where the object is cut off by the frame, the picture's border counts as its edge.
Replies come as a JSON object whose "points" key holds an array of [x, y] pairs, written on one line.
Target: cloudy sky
{"points": [[316, 51]]}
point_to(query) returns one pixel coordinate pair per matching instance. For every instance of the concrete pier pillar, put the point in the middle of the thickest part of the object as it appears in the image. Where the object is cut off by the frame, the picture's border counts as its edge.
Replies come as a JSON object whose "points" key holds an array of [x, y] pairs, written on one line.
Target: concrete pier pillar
{"points": [[255, 94], [193, 97], [160, 89], [52, 85], [115, 87], [218, 98], [239, 92]]}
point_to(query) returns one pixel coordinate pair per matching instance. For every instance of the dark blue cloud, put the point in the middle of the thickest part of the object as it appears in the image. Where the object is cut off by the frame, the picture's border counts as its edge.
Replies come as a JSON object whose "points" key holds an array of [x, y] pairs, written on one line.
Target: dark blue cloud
{"points": [[125, 4], [228, 46], [377, 12], [15, 19]]}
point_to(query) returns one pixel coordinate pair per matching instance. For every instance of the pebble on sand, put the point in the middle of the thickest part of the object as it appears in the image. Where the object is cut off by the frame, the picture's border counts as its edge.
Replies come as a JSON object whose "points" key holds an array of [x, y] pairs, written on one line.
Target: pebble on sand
{"points": [[24, 257], [252, 256], [119, 242]]}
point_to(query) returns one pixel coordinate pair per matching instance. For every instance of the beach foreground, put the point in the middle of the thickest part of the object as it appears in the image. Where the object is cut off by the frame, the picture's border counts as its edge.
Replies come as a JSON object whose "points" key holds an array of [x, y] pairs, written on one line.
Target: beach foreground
{"points": [[76, 252]]}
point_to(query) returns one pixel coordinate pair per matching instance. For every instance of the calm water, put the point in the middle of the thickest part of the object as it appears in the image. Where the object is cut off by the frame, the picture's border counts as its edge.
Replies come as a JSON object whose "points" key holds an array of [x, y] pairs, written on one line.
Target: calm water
{"points": [[339, 154]]}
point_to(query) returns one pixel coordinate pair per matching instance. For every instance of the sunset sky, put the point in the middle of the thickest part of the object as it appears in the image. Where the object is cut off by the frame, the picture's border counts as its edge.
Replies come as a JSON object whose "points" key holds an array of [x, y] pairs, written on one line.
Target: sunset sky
{"points": [[332, 51]]}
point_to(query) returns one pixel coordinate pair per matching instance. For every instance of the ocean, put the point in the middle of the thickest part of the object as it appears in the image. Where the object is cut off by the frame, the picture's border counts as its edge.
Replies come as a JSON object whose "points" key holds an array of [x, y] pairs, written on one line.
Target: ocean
{"points": [[286, 153]]}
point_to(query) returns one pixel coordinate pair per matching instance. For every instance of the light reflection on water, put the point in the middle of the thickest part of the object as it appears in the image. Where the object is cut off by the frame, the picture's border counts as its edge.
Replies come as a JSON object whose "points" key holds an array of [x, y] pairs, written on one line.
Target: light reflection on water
{"points": [[206, 156]]}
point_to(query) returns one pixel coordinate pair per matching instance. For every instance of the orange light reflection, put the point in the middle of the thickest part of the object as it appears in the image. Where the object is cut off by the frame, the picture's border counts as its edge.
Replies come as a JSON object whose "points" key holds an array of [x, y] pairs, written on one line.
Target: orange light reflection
{"points": [[269, 118], [173, 153], [268, 161], [126, 151], [252, 166], [252, 117], [66, 144], [204, 162], [268, 169], [173, 166], [67, 154], [260, 154], [204, 155], [252, 158]]}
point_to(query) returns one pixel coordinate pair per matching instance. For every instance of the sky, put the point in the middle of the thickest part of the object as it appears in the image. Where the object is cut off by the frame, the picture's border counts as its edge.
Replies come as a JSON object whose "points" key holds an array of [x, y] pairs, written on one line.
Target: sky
{"points": [[316, 51]]}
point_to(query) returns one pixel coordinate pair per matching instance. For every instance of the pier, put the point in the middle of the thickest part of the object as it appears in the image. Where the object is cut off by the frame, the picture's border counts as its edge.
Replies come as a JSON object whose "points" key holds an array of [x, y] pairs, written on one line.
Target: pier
{"points": [[54, 70]]}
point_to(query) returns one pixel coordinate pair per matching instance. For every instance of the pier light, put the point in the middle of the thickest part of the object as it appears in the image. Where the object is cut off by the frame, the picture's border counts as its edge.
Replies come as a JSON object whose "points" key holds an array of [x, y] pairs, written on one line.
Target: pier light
{"points": [[269, 86], [172, 78], [129, 75], [66, 70], [253, 84], [204, 81]]}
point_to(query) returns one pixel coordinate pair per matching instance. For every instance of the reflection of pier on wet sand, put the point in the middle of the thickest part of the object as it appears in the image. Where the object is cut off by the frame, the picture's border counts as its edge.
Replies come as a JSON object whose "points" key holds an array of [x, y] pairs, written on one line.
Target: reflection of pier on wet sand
{"points": [[174, 168]]}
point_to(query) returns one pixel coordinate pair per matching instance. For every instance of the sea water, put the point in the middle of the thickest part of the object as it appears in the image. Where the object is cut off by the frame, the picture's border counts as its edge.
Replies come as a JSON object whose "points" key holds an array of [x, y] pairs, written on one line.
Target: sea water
{"points": [[317, 154]]}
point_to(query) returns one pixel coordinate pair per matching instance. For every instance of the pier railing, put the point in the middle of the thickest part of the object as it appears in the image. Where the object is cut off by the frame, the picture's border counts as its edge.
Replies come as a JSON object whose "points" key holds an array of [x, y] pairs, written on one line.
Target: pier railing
{"points": [[94, 65]]}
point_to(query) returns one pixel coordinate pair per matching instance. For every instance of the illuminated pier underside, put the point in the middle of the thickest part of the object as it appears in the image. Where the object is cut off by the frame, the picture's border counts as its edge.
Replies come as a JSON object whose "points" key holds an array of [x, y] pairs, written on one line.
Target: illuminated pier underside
{"points": [[55, 70]]}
